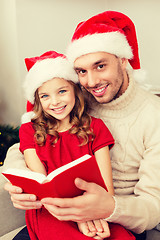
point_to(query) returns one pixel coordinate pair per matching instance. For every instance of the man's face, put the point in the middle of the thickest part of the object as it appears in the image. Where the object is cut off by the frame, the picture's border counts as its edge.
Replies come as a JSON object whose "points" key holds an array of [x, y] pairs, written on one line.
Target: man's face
{"points": [[102, 74]]}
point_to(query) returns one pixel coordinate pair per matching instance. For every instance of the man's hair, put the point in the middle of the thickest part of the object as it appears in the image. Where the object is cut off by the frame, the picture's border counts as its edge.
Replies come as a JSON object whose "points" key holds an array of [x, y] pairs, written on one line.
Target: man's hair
{"points": [[80, 120]]}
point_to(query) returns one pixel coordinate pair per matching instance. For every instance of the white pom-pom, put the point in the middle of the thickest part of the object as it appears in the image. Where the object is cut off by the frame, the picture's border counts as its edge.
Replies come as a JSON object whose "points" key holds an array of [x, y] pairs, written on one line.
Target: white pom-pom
{"points": [[26, 117], [140, 77]]}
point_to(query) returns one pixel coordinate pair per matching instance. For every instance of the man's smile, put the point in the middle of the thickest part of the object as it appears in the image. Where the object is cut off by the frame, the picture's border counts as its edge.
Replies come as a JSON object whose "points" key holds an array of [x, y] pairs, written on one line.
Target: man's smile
{"points": [[99, 91]]}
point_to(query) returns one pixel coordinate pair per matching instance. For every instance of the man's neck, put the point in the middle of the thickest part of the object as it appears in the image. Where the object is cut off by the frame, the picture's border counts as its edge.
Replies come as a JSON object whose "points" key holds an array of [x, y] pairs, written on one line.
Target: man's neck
{"points": [[124, 85]]}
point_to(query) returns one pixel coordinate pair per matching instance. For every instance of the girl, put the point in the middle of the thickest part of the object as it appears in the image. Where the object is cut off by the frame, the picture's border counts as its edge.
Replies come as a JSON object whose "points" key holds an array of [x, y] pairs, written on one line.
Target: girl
{"points": [[60, 130]]}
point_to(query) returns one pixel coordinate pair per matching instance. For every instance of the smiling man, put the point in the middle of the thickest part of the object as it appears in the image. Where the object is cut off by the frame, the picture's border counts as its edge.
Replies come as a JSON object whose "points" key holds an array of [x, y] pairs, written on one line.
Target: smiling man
{"points": [[103, 75], [104, 53]]}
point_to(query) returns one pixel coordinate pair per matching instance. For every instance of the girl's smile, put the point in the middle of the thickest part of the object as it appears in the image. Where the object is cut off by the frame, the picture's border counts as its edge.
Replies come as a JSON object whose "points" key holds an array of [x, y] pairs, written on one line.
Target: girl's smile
{"points": [[59, 110]]}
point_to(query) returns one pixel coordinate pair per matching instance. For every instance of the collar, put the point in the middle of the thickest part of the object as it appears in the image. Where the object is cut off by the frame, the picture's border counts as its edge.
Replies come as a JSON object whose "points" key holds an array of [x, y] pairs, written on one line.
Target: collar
{"points": [[126, 104]]}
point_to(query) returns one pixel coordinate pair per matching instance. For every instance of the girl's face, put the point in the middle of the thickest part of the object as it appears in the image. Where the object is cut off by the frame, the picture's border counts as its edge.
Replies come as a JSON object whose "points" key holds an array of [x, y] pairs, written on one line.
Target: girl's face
{"points": [[57, 98]]}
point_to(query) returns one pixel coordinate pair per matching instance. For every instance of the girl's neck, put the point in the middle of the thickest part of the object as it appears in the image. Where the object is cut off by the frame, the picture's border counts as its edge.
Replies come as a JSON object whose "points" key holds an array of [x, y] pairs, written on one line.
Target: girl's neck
{"points": [[64, 127]]}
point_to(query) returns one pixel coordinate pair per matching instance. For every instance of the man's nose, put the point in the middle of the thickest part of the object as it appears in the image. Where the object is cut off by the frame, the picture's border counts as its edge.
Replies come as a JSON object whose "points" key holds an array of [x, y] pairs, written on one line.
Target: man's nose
{"points": [[92, 79]]}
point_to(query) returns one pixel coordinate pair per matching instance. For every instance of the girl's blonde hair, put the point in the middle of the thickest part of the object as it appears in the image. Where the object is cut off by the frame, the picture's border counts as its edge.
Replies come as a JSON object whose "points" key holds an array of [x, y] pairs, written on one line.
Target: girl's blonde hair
{"points": [[79, 118]]}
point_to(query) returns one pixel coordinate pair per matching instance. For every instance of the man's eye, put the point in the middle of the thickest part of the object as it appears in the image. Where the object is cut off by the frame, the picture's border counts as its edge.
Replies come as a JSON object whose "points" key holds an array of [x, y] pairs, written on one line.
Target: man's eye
{"points": [[100, 66], [82, 71]]}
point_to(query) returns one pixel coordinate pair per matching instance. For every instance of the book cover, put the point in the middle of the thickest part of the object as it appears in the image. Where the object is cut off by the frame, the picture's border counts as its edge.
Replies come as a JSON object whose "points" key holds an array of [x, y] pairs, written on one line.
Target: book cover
{"points": [[60, 182]]}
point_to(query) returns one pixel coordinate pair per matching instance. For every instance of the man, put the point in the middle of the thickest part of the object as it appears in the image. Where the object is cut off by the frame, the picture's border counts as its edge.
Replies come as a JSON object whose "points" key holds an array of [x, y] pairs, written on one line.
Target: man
{"points": [[101, 51]]}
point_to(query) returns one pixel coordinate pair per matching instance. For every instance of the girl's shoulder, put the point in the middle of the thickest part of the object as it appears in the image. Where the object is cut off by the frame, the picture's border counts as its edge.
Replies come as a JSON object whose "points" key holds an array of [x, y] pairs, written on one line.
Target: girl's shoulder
{"points": [[95, 121], [27, 127], [97, 124]]}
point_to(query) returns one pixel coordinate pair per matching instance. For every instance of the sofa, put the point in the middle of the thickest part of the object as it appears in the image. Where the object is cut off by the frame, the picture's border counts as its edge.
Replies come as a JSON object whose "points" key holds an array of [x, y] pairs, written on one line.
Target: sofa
{"points": [[12, 220]]}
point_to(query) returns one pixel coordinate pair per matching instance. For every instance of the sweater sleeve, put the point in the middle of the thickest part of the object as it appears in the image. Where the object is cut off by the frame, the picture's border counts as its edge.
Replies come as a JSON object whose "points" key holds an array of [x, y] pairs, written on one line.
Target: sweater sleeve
{"points": [[14, 159], [141, 210]]}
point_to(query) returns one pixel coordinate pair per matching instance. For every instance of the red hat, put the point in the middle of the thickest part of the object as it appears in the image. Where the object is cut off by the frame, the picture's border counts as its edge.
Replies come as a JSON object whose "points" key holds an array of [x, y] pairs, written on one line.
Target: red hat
{"points": [[41, 69], [111, 32], [45, 67]]}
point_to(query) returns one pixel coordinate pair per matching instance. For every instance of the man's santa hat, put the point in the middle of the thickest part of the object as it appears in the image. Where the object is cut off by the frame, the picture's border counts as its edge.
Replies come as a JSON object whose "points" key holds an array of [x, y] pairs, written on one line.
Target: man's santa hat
{"points": [[41, 69], [111, 32]]}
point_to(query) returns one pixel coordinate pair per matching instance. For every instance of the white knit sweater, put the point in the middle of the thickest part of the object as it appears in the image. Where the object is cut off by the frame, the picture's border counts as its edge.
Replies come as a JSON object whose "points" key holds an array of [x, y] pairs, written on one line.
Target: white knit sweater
{"points": [[134, 121]]}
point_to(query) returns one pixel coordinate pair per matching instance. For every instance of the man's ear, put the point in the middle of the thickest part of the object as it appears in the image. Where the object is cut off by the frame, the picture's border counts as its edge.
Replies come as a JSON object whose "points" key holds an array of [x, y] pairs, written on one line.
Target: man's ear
{"points": [[124, 62]]}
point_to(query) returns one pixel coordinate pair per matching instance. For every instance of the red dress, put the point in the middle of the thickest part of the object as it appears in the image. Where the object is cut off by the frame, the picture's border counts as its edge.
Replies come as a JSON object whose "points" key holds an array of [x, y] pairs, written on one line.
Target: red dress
{"points": [[40, 223]]}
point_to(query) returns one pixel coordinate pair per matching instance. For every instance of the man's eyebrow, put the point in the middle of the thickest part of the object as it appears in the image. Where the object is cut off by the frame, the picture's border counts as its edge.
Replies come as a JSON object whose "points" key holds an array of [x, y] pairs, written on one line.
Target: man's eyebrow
{"points": [[78, 68], [100, 61]]}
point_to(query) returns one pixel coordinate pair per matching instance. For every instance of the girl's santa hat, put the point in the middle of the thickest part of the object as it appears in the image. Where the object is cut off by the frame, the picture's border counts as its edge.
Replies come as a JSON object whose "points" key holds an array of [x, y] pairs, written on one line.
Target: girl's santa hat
{"points": [[41, 69], [111, 32]]}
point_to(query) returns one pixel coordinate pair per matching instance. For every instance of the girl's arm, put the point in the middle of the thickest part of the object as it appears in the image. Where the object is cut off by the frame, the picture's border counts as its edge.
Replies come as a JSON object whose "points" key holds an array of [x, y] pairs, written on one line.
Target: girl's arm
{"points": [[33, 162], [103, 160]]}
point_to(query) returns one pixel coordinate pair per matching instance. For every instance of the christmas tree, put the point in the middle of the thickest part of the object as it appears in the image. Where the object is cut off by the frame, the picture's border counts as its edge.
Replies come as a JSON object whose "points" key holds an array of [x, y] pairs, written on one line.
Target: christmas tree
{"points": [[8, 136]]}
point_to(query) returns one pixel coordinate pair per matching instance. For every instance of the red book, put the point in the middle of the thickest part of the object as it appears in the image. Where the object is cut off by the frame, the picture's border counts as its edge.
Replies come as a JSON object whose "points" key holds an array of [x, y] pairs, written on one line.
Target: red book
{"points": [[60, 182]]}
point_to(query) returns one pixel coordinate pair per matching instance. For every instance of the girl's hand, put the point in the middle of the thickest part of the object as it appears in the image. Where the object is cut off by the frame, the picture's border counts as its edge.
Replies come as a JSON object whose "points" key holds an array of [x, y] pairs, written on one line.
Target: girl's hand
{"points": [[97, 229], [102, 228], [22, 200], [87, 229]]}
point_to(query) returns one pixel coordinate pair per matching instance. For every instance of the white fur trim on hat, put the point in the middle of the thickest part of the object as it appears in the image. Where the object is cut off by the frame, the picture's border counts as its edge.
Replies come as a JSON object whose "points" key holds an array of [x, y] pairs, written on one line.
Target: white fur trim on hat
{"points": [[26, 117], [45, 70], [110, 42]]}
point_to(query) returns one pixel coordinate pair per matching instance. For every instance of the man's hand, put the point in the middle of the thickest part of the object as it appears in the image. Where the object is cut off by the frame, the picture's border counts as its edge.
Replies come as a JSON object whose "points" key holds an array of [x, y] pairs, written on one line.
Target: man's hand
{"points": [[22, 200], [95, 203]]}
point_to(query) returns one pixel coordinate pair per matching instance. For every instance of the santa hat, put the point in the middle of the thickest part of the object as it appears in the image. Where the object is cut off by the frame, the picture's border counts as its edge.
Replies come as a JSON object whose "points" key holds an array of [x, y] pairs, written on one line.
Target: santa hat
{"points": [[41, 69], [111, 32]]}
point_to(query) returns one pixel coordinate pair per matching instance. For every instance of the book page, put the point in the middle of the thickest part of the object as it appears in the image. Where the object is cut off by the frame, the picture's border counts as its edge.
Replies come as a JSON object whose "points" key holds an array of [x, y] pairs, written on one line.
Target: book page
{"points": [[67, 166], [39, 177]]}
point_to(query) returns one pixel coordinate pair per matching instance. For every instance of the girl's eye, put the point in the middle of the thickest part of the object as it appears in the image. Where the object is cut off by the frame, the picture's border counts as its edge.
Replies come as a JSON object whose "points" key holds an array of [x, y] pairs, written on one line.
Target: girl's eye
{"points": [[62, 91], [44, 96]]}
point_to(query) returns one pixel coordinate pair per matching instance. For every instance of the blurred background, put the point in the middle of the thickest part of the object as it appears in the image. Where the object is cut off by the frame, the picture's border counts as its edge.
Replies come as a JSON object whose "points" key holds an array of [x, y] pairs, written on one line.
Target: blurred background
{"points": [[31, 27]]}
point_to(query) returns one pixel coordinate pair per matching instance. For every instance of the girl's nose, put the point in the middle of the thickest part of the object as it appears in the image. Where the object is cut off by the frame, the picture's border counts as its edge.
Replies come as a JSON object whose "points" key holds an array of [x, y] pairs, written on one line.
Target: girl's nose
{"points": [[54, 101]]}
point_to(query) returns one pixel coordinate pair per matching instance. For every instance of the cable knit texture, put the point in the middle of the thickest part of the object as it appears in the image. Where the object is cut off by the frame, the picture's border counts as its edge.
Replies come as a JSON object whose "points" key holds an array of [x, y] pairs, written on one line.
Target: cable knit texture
{"points": [[134, 121]]}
